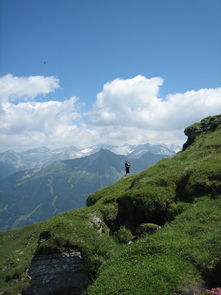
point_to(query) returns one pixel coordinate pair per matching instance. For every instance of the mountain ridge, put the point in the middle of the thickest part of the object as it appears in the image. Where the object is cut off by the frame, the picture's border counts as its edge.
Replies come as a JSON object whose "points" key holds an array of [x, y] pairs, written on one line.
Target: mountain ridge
{"points": [[157, 232], [11, 161], [61, 186]]}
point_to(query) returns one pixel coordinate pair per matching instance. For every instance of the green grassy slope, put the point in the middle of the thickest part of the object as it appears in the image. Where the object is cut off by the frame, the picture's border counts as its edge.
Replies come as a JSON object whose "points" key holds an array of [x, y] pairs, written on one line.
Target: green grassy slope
{"points": [[73, 229], [175, 258], [157, 191], [182, 194], [186, 251]]}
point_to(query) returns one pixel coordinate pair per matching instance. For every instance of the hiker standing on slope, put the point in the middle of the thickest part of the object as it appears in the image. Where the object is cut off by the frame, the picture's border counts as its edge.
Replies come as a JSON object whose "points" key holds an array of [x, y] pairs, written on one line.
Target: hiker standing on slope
{"points": [[127, 167]]}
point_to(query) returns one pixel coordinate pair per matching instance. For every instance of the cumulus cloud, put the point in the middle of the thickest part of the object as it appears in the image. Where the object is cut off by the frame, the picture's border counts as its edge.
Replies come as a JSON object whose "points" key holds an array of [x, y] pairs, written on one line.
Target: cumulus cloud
{"points": [[126, 111], [51, 123], [135, 103], [127, 102], [184, 108], [26, 87], [25, 123], [132, 111], [38, 116]]}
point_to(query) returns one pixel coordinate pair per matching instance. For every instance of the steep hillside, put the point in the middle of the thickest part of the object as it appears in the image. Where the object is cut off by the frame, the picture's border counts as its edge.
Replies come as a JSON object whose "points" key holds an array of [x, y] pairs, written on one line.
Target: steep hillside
{"points": [[154, 233], [29, 196]]}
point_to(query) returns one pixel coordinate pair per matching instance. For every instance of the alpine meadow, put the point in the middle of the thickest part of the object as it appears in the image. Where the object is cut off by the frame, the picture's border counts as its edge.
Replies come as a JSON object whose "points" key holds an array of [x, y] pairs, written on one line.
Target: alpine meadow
{"points": [[153, 233]]}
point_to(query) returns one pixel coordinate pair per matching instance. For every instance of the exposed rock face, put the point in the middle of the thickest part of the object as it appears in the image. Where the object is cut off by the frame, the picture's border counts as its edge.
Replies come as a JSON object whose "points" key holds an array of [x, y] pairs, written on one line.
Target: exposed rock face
{"points": [[97, 223], [57, 274], [206, 125]]}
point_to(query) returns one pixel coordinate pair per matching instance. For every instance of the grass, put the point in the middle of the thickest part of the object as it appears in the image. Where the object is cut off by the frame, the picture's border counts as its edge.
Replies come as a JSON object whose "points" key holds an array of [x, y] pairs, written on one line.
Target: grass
{"points": [[72, 229], [162, 262], [200, 162], [181, 194], [16, 251]]}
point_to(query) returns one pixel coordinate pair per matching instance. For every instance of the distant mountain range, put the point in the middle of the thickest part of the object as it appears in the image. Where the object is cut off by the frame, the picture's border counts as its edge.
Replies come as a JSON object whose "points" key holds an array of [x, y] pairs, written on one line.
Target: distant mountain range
{"points": [[37, 194], [11, 161]]}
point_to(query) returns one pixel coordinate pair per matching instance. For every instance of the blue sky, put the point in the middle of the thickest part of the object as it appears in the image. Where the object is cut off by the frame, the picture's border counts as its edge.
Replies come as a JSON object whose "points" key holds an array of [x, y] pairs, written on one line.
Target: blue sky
{"points": [[85, 44]]}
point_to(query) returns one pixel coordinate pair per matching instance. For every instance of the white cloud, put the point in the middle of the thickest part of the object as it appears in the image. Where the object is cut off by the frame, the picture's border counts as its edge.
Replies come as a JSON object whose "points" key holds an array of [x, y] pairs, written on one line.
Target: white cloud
{"points": [[26, 87], [52, 123], [126, 111], [38, 116], [127, 102], [132, 111], [185, 108], [25, 123]]}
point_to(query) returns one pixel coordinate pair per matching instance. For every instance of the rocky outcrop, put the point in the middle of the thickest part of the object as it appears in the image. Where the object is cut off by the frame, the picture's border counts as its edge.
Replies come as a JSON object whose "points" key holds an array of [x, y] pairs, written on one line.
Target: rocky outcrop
{"points": [[206, 125], [98, 224], [57, 273]]}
